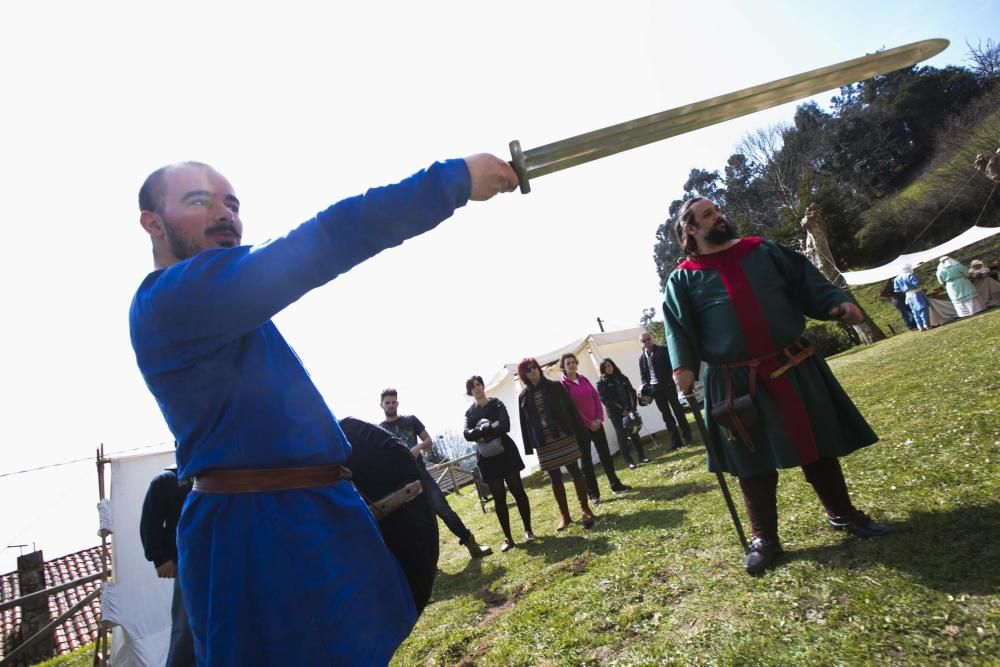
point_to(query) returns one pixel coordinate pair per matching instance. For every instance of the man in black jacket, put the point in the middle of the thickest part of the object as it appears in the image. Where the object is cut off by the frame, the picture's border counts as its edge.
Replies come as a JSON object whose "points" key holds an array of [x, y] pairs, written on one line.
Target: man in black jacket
{"points": [[158, 532], [657, 379]]}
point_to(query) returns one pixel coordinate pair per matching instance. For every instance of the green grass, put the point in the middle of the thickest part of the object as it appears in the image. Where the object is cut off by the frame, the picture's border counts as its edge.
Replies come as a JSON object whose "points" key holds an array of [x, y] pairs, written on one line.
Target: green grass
{"points": [[659, 579], [81, 657]]}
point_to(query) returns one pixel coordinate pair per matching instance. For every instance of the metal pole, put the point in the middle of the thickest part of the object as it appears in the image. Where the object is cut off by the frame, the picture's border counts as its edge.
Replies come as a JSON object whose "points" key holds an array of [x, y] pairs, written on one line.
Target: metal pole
{"points": [[710, 448]]}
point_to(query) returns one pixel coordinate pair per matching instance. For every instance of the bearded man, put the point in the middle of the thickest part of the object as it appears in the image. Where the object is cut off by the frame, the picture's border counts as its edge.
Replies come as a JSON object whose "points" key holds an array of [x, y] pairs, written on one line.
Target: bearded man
{"points": [[739, 304], [280, 562]]}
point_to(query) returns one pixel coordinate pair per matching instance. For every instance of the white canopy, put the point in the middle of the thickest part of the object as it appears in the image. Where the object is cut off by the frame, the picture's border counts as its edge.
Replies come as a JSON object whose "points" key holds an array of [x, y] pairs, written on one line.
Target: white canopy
{"points": [[136, 601], [886, 271]]}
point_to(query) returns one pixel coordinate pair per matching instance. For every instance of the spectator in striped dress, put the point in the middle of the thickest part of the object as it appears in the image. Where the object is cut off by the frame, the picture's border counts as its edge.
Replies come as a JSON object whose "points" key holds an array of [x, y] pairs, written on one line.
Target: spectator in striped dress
{"points": [[549, 424]]}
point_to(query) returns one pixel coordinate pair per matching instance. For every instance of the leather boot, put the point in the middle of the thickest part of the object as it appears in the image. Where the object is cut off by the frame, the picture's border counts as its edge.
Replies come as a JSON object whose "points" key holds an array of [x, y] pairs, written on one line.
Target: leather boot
{"points": [[476, 550], [587, 517], [559, 491], [761, 552]]}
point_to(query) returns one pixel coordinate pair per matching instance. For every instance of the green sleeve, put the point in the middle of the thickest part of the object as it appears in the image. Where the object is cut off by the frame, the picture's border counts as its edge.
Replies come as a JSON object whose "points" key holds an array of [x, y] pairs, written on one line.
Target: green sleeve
{"points": [[815, 295], [680, 324]]}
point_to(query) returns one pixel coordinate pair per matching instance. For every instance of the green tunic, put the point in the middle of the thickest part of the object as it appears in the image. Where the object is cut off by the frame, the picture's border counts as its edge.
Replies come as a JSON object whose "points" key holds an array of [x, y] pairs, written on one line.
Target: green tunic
{"points": [[955, 278], [743, 303]]}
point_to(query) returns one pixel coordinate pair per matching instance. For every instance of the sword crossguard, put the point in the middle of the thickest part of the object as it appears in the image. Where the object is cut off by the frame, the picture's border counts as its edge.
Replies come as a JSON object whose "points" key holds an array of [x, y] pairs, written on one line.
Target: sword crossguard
{"points": [[519, 167]]}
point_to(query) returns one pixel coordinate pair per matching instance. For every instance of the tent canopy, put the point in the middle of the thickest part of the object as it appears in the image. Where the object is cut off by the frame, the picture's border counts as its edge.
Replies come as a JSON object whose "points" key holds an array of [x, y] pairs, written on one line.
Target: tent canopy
{"points": [[891, 269]]}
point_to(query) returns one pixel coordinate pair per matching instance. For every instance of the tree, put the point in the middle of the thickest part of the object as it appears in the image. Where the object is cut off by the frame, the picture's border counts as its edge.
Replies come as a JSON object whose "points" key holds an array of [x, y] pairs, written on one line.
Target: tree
{"points": [[449, 446], [985, 60], [653, 327]]}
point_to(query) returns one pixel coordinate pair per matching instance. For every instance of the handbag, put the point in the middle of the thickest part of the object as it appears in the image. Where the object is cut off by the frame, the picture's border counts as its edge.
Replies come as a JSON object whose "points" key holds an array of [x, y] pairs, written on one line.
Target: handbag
{"points": [[490, 448]]}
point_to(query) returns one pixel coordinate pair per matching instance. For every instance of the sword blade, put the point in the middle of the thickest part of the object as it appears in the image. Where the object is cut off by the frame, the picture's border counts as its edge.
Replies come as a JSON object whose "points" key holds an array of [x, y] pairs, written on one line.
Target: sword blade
{"points": [[607, 141]]}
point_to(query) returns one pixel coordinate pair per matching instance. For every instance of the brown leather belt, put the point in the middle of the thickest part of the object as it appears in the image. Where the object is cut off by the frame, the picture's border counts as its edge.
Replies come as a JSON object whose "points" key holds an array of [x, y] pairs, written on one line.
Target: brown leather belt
{"points": [[257, 480], [392, 502]]}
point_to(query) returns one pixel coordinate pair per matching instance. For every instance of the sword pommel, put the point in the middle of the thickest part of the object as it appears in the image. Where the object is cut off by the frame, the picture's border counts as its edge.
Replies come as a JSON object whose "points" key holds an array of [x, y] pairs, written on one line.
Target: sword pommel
{"points": [[520, 168]]}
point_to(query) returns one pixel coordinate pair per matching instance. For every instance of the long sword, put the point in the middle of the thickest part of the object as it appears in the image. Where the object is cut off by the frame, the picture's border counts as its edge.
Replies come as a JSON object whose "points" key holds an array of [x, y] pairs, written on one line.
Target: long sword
{"points": [[641, 131], [713, 457]]}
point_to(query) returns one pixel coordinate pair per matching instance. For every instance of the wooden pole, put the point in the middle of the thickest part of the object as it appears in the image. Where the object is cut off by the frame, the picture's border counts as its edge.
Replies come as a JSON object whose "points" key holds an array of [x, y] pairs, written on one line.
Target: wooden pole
{"points": [[101, 648]]}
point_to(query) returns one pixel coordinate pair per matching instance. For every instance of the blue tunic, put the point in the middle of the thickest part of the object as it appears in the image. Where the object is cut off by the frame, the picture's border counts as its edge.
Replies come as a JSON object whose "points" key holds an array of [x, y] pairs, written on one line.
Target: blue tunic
{"points": [[906, 283], [288, 577]]}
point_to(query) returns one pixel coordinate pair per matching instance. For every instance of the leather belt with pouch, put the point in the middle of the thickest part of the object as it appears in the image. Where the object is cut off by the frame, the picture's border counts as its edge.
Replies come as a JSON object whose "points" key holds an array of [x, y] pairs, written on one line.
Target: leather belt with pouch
{"points": [[738, 413]]}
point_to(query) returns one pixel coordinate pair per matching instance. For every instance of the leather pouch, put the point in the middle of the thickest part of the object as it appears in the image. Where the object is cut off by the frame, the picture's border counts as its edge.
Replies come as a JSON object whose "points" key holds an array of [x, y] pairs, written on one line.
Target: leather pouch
{"points": [[737, 415]]}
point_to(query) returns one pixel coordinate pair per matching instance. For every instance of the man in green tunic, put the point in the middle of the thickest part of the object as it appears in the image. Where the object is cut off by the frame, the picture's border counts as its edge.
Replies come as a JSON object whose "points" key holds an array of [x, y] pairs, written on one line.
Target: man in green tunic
{"points": [[740, 305]]}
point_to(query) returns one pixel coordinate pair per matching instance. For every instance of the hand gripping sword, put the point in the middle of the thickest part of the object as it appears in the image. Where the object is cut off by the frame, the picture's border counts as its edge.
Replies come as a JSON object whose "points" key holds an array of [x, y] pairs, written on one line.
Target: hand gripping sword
{"points": [[710, 445], [594, 145]]}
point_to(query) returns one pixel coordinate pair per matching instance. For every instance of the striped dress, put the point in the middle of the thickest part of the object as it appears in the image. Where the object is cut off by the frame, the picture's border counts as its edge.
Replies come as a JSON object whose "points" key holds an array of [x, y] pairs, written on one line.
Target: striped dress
{"points": [[556, 449]]}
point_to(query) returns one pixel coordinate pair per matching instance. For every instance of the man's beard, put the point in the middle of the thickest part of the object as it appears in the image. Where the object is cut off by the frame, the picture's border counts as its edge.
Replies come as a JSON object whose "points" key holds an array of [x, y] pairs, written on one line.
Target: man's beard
{"points": [[716, 236], [181, 247]]}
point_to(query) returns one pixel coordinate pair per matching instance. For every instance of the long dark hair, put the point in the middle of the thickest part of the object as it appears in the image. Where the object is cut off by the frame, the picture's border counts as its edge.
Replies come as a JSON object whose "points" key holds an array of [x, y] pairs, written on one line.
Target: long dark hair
{"points": [[615, 370], [685, 241]]}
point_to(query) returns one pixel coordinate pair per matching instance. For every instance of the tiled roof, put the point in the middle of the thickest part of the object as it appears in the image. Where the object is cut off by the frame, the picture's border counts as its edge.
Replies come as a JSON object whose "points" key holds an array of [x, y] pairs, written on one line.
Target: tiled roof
{"points": [[78, 630]]}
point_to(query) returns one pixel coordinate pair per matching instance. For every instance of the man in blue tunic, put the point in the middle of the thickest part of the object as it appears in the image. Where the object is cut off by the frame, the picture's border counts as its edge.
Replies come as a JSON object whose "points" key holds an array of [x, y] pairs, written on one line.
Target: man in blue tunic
{"points": [[740, 306], [279, 563]]}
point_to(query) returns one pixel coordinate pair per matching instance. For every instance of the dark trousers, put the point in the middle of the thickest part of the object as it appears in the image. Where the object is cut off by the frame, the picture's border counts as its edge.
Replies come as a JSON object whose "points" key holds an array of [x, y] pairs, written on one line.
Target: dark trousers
{"points": [[673, 414], [583, 438], [441, 507], [760, 494], [623, 439], [181, 653]]}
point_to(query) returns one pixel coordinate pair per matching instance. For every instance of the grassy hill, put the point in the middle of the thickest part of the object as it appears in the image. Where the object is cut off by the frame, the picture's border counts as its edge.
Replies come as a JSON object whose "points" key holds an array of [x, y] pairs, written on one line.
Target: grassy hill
{"points": [[659, 579]]}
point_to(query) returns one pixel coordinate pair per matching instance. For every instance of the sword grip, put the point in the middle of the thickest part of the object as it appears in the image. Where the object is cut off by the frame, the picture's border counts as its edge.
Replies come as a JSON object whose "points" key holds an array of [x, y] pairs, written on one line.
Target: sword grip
{"points": [[517, 164]]}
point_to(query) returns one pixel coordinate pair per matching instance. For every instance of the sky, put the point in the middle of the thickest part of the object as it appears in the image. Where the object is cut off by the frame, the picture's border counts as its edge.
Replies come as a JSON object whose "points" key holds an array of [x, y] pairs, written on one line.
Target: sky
{"points": [[306, 105]]}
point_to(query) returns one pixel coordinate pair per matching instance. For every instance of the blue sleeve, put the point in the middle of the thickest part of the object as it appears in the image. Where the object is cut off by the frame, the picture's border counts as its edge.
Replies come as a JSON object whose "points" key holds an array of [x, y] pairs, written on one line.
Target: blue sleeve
{"points": [[221, 294]]}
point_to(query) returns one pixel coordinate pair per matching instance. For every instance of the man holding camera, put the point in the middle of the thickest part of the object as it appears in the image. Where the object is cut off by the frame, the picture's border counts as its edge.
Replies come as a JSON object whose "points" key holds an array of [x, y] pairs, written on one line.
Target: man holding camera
{"points": [[655, 370]]}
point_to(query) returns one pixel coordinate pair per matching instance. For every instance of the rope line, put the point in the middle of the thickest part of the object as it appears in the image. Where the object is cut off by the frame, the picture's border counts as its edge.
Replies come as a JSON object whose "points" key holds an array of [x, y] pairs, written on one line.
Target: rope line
{"points": [[975, 172], [66, 463]]}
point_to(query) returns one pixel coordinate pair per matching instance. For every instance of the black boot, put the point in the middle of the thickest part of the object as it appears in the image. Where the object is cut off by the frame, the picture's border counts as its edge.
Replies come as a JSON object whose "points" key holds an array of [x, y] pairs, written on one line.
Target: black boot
{"points": [[762, 552], [675, 440], [859, 524]]}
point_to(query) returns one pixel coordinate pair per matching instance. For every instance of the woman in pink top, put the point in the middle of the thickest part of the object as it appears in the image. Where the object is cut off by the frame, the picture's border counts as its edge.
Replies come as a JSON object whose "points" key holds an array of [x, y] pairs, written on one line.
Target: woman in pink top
{"points": [[588, 404]]}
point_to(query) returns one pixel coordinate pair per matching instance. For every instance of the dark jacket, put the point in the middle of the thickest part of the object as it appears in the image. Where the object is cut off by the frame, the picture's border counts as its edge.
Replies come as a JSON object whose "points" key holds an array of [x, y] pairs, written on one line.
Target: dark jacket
{"points": [[617, 393], [661, 364], [557, 403], [494, 411], [160, 511]]}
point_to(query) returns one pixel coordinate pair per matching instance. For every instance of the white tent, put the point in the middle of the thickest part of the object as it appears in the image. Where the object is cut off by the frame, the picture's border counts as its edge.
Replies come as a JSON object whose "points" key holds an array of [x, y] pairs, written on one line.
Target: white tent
{"points": [[621, 346], [914, 259], [136, 601]]}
